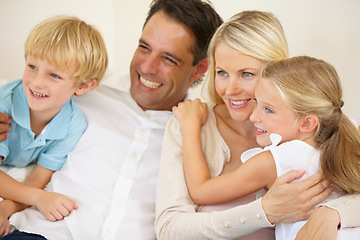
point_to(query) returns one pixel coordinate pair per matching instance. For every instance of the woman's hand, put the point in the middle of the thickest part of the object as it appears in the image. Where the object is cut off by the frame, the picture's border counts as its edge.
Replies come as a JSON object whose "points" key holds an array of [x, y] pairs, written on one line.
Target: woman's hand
{"points": [[291, 202], [322, 225]]}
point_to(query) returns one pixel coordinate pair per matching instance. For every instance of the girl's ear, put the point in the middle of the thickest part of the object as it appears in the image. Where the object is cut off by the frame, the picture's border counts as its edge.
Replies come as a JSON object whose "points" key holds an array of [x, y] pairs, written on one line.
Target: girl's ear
{"points": [[309, 123], [85, 87]]}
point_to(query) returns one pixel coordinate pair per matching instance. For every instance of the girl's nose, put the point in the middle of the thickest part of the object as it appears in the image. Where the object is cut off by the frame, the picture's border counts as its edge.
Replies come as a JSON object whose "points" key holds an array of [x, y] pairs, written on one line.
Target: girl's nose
{"points": [[254, 117]]}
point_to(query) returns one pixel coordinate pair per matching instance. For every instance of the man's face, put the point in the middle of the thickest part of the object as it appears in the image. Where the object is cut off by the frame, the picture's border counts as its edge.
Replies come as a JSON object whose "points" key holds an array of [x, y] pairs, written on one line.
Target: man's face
{"points": [[161, 70]]}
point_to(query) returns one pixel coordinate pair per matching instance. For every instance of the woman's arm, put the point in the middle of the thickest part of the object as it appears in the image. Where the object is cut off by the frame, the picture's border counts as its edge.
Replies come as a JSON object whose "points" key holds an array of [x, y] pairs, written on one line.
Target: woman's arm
{"points": [[322, 225]]}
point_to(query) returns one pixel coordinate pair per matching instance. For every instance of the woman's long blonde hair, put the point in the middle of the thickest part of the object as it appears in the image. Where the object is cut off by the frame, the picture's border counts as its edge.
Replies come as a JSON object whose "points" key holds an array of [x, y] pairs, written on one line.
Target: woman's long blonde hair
{"points": [[310, 86], [254, 33]]}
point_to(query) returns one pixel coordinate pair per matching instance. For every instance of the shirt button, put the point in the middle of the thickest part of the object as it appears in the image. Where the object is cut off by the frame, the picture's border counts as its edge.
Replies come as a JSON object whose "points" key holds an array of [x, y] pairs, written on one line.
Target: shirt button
{"points": [[133, 155], [346, 203], [226, 225], [357, 197], [258, 216], [242, 220]]}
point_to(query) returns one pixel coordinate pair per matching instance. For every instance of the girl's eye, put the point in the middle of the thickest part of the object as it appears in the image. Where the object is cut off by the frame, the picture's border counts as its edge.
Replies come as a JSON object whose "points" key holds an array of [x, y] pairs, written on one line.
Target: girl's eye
{"points": [[268, 110]]}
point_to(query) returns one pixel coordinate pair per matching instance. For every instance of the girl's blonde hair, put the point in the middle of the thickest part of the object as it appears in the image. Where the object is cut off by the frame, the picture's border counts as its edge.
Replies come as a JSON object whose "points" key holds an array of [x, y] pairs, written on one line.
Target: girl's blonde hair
{"points": [[70, 44], [254, 33], [310, 86]]}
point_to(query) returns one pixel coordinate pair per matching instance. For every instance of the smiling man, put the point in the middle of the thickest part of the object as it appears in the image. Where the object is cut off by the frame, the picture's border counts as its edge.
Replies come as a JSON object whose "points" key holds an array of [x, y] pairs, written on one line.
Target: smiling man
{"points": [[112, 172]]}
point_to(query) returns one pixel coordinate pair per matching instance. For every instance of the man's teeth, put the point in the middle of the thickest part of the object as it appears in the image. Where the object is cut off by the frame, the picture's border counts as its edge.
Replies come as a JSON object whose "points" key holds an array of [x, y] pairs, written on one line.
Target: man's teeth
{"points": [[150, 84], [238, 102], [260, 130], [37, 94]]}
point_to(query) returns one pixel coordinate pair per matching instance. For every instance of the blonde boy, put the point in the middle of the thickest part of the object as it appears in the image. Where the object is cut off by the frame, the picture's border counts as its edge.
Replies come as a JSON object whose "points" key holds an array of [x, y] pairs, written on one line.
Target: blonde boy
{"points": [[64, 57]]}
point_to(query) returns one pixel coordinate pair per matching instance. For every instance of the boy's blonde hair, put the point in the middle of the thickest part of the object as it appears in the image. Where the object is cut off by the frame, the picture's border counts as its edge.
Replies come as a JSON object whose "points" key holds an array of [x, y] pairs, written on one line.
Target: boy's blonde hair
{"points": [[70, 44], [310, 86], [254, 33]]}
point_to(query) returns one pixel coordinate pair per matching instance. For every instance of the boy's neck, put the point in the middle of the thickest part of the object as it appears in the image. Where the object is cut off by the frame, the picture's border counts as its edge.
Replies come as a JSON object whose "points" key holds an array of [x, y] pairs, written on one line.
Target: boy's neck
{"points": [[38, 121]]}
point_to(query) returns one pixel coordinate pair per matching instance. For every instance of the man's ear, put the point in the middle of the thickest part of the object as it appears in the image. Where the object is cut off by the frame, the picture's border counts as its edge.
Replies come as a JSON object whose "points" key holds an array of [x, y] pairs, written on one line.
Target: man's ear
{"points": [[85, 87], [309, 123], [200, 69]]}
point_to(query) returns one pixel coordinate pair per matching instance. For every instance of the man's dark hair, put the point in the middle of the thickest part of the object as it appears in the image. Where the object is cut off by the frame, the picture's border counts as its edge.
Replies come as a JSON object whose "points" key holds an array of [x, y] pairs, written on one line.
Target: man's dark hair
{"points": [[199, 16]]}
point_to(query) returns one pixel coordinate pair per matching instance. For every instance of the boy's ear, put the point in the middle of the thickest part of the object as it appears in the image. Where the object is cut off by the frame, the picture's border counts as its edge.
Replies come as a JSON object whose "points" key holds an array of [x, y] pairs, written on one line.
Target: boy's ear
{"points": [[85, 87], [309, 123]]}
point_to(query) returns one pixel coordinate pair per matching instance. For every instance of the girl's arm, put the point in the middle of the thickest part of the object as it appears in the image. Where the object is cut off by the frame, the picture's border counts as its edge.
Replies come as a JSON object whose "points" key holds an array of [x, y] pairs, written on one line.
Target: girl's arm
{"points": [[203, 189], [253, 175], [53, 205]]}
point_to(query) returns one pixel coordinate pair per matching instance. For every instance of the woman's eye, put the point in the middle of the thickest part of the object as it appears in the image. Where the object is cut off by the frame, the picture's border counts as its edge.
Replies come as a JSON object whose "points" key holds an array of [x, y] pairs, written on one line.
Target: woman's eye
{"points": [[247, 74], [222, 73]]}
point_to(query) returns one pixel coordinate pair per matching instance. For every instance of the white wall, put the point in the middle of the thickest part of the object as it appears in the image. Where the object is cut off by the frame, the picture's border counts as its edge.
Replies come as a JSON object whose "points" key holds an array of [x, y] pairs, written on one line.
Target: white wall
{"points": [[326, 29]]}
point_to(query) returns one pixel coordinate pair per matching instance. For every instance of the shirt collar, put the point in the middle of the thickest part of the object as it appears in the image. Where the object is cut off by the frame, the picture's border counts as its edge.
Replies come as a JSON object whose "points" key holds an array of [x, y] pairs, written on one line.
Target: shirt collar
{"points": [[57, 127]]}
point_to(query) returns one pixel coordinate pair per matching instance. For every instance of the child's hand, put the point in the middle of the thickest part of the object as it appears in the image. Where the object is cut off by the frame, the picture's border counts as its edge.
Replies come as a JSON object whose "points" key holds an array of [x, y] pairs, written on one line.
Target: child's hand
{"points": [[193, 112], [4, 223], [55, 206]]}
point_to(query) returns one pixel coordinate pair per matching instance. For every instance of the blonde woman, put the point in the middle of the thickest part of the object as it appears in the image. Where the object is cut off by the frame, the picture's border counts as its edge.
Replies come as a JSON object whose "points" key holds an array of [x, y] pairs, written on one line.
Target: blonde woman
{"points": [[239, 50], [298, 119]]}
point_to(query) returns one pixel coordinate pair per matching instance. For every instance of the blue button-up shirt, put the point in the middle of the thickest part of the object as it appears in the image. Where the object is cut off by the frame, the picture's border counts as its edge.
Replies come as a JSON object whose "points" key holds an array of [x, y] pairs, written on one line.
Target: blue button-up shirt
{"points": [[51, 147]]}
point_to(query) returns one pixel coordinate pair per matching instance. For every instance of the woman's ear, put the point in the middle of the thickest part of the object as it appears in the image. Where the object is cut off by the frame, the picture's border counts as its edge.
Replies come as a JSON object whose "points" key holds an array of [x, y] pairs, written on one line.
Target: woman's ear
{"points": [[85, 87], [309, 123]]}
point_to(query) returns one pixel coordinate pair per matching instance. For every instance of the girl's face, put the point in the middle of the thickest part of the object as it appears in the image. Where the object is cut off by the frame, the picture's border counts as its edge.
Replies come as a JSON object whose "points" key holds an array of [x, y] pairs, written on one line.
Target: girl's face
{"points": [[271, 115], [236, 76]]}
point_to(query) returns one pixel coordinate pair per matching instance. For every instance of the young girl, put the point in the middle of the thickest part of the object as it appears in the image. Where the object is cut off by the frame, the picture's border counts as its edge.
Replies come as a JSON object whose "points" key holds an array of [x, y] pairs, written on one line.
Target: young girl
{"points": [[298, 117]]}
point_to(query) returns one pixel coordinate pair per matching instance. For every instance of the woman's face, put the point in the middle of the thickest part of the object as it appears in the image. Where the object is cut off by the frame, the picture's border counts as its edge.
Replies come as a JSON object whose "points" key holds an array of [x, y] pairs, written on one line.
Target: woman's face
{"points": [[236, 76]]}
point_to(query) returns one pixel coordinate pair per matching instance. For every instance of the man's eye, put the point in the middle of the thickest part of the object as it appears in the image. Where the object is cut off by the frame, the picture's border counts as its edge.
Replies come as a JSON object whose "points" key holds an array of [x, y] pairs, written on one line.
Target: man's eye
{"points": [[171, 61], [144, 47]]}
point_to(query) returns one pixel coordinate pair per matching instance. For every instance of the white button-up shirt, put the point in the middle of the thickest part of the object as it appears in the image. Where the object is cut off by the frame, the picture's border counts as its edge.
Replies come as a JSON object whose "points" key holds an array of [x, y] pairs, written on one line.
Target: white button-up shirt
{"points": [[111, 173]]}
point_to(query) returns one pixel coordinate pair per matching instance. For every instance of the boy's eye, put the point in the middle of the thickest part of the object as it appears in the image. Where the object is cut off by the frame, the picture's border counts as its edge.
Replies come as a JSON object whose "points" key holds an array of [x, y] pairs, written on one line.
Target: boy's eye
{"points": [[32, 67], [55, 76]]}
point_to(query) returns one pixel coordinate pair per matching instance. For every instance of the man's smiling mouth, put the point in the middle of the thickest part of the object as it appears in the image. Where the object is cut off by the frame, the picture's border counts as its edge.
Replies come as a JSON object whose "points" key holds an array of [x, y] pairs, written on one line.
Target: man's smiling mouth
{"points": [[150, 84]]}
